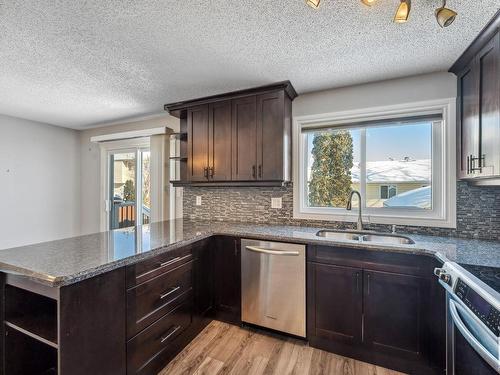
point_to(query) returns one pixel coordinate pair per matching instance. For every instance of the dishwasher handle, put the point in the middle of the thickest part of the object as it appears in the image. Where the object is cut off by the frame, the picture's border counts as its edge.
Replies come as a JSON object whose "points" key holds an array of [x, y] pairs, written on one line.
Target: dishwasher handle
{"points": [[271, 251]]}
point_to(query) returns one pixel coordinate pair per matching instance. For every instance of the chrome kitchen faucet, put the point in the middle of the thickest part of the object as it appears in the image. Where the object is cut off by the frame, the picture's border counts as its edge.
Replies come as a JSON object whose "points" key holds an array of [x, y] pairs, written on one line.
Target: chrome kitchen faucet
{"points": [[349, 207]]}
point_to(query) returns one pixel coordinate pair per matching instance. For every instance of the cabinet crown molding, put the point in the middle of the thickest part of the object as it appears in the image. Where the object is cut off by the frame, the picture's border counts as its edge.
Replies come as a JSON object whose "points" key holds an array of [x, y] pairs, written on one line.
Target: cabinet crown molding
{"points": [[178, 109], [484, 36]]}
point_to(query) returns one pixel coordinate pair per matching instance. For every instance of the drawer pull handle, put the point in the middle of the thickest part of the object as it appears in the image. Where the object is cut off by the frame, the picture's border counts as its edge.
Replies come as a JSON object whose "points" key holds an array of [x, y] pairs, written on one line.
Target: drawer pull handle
{"points": [[165, 338], [161, 265], [172, 290], [175, 260]]}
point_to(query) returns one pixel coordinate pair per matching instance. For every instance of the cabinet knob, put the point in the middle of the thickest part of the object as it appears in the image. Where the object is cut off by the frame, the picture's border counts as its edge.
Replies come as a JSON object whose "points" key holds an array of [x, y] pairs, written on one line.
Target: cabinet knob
{"points": [[212, 171], [205, 172], [254, 174], [260, 171]]}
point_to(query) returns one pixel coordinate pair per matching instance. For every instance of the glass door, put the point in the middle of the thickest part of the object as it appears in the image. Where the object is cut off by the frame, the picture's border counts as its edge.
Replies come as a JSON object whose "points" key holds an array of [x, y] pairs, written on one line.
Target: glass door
{"points": [[129, 188]]}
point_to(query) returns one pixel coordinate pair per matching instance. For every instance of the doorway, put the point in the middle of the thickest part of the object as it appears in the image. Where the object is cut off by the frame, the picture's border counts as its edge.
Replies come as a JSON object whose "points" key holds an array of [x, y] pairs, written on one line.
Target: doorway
{"points": [[129, 183]]}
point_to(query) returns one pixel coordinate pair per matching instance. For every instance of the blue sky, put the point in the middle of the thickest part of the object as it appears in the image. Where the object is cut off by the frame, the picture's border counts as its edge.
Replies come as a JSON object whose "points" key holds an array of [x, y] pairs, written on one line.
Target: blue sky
{"points": [[384, 142]]}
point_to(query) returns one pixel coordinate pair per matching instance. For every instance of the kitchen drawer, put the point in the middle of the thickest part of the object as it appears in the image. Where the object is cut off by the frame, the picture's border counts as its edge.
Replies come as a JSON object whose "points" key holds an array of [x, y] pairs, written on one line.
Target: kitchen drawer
{"points": [[152, 343], [149, 301], [150, 268]]}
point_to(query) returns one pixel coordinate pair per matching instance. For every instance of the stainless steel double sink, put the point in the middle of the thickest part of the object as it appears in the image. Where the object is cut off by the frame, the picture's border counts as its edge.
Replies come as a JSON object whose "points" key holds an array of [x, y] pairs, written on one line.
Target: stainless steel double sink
{"points": [[372, 237]]}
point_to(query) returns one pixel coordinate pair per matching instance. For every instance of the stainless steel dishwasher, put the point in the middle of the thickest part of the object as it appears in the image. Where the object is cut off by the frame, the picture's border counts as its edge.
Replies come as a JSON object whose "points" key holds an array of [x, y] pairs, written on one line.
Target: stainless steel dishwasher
{"points": [[273, 285]]}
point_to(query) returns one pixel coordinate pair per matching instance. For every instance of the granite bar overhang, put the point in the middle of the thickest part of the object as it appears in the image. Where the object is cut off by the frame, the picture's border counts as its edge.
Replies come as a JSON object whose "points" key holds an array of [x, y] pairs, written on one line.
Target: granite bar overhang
{"points": [[67, 261]]}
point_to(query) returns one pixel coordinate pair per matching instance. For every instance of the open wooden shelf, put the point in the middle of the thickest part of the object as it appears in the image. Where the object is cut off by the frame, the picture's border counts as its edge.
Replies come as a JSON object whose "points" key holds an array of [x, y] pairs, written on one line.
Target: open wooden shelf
{"points": [[31, 314], [26, 355], [38, 328]]}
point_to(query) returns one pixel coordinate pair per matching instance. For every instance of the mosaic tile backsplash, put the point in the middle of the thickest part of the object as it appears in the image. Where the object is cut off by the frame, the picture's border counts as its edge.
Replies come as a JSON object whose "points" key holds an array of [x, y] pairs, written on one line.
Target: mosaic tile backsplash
{"points": [[478, 210]]}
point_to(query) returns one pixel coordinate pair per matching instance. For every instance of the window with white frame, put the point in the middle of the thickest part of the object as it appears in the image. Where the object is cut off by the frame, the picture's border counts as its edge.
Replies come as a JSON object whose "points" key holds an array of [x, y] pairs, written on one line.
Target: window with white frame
{"points": [[389, 191], [401, 165]]}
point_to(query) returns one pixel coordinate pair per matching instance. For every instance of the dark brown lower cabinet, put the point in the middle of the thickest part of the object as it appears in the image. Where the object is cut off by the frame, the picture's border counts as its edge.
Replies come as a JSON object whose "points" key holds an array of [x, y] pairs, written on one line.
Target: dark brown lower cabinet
{"points": [[378, 308], [393, 306], [334, 302], [227, 274]]}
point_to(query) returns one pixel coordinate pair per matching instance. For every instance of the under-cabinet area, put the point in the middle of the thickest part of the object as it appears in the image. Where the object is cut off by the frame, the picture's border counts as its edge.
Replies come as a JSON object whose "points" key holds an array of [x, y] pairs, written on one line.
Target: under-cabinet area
{"points": [[30, 332], [374, 306]]}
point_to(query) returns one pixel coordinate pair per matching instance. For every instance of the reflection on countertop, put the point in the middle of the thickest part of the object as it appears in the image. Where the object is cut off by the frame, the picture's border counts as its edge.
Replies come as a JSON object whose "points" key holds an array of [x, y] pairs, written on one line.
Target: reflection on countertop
{"points": [[67, 261]]}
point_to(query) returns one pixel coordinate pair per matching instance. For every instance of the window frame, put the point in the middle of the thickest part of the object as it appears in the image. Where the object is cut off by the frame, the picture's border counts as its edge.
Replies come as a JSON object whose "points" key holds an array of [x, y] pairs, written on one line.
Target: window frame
{"points": [[443, 213], [388, 186]]}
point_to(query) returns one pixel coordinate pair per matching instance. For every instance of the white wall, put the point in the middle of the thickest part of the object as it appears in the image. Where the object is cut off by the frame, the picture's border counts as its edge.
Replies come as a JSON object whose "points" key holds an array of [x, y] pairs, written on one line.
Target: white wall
{"points": [[91, 168], [397, 91], [39, 182]]}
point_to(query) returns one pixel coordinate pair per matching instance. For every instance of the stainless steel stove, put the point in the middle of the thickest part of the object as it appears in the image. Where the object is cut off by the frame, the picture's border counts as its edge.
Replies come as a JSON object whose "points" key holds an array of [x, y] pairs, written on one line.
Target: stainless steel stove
{"points": [[473, 318]]}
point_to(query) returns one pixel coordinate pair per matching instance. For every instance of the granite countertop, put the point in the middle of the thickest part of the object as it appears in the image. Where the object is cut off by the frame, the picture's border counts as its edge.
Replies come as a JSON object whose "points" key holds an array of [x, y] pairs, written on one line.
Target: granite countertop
{"points": [[63, 262]]}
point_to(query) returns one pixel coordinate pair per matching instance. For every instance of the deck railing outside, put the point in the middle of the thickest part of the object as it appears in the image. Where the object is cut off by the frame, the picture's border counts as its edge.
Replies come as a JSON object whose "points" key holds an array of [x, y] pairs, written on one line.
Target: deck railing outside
{"points": [[124, 215]]}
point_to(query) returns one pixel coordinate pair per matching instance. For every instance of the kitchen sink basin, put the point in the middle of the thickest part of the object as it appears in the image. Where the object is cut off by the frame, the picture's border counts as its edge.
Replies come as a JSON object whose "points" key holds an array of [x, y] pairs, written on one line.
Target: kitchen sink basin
{"points": [[339, 235], [389, 239], [365, 237]]}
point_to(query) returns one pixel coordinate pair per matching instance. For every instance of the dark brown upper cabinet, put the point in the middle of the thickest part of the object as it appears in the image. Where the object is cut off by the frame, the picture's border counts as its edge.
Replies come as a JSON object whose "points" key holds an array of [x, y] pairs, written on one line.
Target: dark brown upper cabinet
{"points": [[478, 108], [244, 139], [219, 158], [240, 138], [273, 136], [198, 143], [209, 156]]}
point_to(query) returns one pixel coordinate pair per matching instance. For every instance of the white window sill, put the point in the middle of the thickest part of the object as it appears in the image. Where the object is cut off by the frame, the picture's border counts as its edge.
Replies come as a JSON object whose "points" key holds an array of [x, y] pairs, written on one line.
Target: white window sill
{"points": [[391, 219]]}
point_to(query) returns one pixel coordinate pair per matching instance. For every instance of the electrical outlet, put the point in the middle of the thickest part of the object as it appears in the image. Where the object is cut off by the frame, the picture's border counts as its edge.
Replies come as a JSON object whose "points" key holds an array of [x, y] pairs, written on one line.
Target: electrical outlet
{"points": [[198, 200], [276, 202]]}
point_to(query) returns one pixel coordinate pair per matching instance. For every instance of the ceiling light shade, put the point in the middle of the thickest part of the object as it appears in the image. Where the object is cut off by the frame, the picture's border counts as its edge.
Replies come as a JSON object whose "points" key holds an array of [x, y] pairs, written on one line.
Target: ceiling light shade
{"points": [[445, 16], [368, 2], [403, 11], [313, 3]]}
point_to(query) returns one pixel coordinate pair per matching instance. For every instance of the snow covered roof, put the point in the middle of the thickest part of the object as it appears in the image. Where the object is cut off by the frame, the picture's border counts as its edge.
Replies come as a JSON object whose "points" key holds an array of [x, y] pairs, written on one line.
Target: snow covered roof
{"points": [[417, 198], [395, 171]]}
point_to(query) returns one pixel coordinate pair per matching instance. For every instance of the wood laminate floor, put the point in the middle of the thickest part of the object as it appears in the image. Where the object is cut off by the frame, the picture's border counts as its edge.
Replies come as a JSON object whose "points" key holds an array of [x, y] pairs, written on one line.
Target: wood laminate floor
{"points": [[225, 349]]}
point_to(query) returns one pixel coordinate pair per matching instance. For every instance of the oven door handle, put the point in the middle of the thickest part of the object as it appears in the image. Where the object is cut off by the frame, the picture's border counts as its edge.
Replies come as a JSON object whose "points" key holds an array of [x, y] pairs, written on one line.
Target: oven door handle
{"points": [[476, 345], [271, 251]]}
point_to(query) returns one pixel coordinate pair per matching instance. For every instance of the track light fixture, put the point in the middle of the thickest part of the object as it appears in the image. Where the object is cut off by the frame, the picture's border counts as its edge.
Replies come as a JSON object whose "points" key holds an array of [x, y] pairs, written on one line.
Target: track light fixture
{"points": [[403, 11], [313, 3], [445, 16]]}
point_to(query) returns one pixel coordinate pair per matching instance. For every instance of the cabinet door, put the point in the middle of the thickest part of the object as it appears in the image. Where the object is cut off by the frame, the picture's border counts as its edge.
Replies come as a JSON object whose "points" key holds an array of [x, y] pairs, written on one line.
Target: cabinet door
{"points": [[334, 299], [227, 271], [488, 64], [393, 306], [468, 124], [204, 278], [244, 139], [198, 143], [220, 141], [270, 132]]}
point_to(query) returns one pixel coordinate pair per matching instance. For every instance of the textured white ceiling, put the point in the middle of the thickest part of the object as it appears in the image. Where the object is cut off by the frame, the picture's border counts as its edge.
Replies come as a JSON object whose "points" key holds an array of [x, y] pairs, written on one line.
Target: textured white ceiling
{"points": [[80, 63]]}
